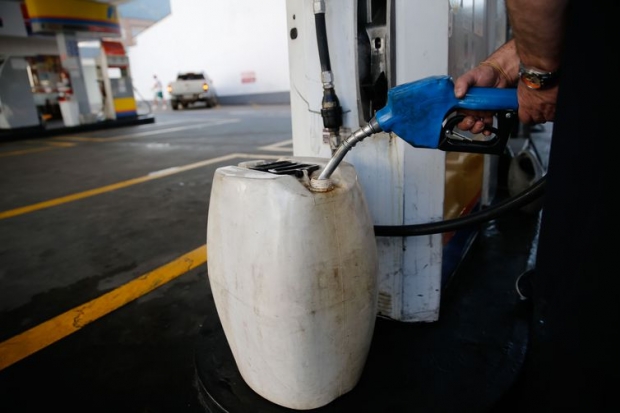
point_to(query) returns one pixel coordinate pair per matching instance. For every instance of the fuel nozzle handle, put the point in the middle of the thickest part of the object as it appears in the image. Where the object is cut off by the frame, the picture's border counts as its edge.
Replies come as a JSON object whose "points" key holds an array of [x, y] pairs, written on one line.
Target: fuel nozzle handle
{"points": [[370, 129], [420, 113]]}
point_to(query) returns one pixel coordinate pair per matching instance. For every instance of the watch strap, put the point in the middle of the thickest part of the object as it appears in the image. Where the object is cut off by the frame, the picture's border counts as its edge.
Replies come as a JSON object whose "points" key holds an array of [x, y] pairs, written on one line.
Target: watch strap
{"points": [[537, 79]]}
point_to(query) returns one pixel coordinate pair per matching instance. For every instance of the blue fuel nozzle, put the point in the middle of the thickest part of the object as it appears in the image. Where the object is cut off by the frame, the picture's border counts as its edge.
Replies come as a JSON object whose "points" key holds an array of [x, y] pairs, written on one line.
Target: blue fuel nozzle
{"points": [[424, 114], [416, 112]]}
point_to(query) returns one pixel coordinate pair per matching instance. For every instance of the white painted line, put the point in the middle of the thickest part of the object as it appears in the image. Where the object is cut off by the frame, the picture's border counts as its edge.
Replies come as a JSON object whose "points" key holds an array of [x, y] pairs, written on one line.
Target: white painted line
{"points": [[278, 147], [176, 129], [150, 132]]}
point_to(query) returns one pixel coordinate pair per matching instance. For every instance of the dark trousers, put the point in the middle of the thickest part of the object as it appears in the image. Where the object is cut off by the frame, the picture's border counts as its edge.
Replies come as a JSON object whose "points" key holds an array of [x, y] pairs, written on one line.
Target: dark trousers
{"points": [[572, 360]]}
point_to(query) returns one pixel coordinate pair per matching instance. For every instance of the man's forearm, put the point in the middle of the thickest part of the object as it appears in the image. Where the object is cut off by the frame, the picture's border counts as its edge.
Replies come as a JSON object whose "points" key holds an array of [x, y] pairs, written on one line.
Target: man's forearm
{"points": [[538, 27]]}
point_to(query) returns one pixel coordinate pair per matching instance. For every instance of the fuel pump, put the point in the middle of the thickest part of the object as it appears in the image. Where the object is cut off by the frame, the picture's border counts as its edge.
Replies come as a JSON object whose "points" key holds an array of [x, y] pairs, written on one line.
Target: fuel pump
{"points": [[378, 46], [117, 87]]}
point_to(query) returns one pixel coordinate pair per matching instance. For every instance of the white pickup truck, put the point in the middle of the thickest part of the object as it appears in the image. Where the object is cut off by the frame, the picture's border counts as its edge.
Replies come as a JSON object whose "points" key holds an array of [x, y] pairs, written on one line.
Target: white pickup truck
{"points": [[191, 87]]}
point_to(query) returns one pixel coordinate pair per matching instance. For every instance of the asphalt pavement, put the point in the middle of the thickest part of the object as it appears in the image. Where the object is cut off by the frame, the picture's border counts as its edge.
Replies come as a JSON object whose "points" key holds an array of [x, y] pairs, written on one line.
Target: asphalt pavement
{"points": [[105, 304], [102, 257]]}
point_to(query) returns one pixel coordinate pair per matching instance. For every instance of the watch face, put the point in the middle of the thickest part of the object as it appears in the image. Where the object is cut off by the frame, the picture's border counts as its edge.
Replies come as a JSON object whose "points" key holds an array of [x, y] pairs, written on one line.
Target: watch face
{"points": [[531, 80]]}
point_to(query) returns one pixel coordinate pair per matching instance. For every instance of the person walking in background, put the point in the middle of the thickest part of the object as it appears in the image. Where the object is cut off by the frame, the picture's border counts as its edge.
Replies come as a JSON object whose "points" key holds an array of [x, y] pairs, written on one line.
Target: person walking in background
{"points": [[159, 93], [556, 60]]}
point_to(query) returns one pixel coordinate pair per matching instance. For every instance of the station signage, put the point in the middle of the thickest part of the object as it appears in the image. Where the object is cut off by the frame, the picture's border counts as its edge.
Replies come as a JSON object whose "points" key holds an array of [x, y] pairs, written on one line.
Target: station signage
{"points": [[56, 16]]}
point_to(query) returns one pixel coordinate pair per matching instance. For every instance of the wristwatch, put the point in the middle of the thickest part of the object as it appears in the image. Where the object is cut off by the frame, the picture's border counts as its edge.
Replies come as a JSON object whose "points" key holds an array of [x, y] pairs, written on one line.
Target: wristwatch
{"points": [[537, 79]]}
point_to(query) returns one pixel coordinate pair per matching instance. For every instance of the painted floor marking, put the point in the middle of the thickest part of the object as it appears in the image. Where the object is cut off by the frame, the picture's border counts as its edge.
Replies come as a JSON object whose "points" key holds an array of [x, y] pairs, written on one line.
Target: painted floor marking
{"points": [[279, 147], [47, 146], [47, 333], [57, 144], [78, 139], [147, 133], [123, 184], [26, 151], [59, 327]]}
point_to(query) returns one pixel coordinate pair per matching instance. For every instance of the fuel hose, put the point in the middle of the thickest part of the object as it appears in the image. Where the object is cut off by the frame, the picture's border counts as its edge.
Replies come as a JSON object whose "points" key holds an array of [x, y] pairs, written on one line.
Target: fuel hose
{"points": [[528, 195]]}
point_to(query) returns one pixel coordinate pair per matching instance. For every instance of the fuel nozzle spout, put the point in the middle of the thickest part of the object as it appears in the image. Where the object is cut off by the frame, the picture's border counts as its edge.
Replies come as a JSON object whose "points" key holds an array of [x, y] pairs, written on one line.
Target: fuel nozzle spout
{"points": [[370, 129]]}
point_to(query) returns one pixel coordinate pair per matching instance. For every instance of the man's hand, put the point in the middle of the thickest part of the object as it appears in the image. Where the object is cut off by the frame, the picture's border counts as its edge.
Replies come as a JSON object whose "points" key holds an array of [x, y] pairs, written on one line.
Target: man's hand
{"points": [[500, 70], [536, 106], [481, 76]]}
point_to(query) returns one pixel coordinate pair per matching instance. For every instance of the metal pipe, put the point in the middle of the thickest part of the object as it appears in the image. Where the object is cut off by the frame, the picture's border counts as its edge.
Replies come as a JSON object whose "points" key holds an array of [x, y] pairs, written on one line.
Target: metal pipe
{"points": [[371, 128]]}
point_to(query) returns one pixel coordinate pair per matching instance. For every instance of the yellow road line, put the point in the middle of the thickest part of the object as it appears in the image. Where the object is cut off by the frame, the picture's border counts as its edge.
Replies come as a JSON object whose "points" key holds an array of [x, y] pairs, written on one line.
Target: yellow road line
{"points": [[79, 139], [59, 144], [49, 146], [123, 184], [26, 151], [49, 332]]}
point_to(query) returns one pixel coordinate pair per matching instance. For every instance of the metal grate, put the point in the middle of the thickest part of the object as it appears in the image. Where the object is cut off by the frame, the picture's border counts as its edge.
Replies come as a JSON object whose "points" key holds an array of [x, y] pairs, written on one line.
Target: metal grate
{"points": [[286, 168]]}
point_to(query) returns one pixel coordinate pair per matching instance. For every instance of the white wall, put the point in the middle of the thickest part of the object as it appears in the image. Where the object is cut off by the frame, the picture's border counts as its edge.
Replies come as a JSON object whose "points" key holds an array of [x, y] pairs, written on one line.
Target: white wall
{"points": [[222, 38]]}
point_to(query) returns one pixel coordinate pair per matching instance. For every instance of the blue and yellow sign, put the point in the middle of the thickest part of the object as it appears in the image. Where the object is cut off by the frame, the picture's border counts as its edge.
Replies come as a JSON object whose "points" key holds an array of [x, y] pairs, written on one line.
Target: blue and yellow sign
{"points": [[72, 16], [125, 107]]}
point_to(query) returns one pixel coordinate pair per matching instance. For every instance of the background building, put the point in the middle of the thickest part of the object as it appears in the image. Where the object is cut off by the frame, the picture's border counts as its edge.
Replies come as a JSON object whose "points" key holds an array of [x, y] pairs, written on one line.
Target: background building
{"points": [[241, 45], [77, 62]]}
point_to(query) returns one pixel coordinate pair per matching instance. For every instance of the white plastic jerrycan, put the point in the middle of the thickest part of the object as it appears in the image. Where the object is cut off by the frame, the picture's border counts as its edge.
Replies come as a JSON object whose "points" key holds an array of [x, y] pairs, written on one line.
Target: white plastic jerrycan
{"points": [[293, 272]]}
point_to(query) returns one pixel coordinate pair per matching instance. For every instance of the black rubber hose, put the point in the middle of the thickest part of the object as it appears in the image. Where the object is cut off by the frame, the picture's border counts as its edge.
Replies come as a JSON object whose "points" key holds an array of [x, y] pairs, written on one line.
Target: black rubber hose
{"points": [[331, 111], [321, 37], [475, 218]]}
